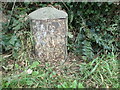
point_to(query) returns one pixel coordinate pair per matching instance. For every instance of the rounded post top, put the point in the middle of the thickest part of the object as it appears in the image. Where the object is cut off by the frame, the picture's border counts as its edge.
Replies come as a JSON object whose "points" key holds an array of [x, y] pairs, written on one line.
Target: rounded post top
{"points": [[47, 13]]}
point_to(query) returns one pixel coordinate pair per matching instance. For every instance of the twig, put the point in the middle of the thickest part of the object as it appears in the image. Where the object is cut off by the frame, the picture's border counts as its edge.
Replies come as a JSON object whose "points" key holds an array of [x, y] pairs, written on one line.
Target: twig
{"points": [[11, 12], [6, 56], [65, 5]]}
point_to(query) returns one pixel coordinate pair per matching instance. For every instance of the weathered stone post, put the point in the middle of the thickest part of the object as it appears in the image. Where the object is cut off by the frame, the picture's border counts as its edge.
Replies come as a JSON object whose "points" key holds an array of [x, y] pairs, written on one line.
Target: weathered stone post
{"points": [[49, 27]]}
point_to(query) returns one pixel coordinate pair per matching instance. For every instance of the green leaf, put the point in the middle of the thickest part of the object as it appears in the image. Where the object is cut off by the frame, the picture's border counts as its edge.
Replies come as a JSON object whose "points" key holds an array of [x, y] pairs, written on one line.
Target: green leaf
{"points": [[69, 34], [17, 45], [34, 64], [64, 85], [17, 27], [16, 66], [59, 86], [13, 39], [93, 70], [80, 85], [29, 82], [71, 16], [35, 73], [74, 84], [108, 68], [15, 23], [7, 84]]}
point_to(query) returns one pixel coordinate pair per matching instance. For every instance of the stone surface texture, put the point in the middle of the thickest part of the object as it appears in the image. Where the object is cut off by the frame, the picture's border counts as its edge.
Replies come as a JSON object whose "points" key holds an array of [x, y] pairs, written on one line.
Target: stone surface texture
{"points": [[49, 33]]}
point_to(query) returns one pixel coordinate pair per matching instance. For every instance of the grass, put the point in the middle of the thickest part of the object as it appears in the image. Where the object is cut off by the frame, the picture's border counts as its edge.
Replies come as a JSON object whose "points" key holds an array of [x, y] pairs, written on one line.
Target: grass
{"points": [[102, 72], [20, 70]]}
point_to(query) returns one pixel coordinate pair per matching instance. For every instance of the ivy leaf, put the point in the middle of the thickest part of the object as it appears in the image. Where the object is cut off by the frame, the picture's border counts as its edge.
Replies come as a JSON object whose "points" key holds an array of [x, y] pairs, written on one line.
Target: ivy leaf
{"points": [[13, 40]]}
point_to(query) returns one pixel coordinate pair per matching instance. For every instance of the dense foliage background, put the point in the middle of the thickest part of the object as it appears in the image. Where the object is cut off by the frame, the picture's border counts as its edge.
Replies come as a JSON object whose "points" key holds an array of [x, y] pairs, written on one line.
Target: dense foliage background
{"points": [[93, 37]]}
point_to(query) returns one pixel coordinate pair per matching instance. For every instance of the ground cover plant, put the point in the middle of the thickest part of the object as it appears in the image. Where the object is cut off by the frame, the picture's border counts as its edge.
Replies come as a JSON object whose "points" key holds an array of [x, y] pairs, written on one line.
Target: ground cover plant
{"points": [[93, 47]]}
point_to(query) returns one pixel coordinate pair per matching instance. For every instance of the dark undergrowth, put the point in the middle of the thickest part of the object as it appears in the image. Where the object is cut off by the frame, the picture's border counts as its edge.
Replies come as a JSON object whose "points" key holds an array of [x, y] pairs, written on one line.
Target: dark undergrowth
{"points": [[93, 47]]}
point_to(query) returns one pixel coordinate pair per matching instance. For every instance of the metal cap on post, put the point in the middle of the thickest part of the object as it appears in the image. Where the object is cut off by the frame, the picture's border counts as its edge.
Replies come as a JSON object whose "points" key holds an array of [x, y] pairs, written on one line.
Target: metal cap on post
{"points": [[49, 27]]}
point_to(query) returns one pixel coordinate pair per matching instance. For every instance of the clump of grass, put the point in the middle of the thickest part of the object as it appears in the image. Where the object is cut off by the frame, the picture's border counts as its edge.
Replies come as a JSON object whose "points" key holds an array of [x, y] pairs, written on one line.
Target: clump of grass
{"points": [[25, 71], [102, 72]]}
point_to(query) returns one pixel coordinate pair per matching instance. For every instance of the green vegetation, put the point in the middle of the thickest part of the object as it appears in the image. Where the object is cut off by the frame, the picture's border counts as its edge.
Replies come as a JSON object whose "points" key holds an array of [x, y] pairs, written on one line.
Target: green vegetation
{"points": [[93, 41]]}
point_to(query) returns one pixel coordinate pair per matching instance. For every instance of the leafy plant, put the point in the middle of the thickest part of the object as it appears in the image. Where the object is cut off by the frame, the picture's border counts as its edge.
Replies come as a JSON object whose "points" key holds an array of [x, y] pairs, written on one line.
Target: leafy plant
{"points": [[91, 28], [93, 35], [74, 84]]}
